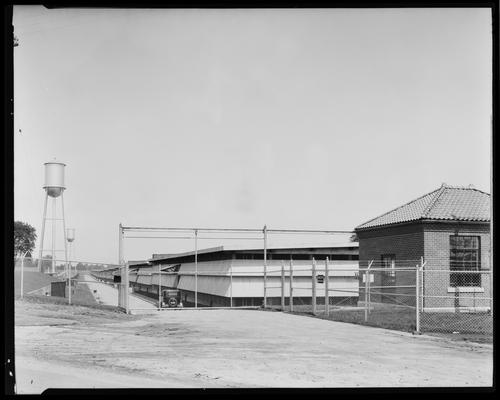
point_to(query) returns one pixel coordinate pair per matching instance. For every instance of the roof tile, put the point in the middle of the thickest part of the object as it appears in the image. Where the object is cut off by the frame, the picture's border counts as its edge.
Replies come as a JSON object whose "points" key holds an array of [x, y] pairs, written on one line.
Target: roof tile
{"points": [[445, 203]]}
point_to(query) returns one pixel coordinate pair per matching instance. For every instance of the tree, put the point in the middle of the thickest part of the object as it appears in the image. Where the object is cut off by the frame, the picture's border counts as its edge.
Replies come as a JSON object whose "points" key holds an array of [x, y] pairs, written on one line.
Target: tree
{"points": [[354, 237], [24, 238]]}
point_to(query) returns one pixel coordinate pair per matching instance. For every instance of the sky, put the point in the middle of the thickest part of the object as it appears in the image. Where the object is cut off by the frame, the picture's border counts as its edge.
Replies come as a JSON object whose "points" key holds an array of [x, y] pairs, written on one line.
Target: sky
{"points": [[293, 118]]}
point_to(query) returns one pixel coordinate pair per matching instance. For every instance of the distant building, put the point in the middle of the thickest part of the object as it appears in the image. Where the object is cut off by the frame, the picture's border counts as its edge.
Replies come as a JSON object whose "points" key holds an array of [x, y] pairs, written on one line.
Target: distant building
{"points": [[234, 276], [450, 229]]}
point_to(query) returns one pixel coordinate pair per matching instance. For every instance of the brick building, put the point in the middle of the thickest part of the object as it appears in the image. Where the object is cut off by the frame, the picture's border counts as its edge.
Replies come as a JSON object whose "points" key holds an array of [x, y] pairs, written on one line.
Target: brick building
{"points": [[450, 229]]}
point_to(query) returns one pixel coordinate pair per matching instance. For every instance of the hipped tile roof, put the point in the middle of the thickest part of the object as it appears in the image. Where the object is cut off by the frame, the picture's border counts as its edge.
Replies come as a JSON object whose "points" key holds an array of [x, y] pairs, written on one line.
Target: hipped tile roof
{"points": [[445, 203]]}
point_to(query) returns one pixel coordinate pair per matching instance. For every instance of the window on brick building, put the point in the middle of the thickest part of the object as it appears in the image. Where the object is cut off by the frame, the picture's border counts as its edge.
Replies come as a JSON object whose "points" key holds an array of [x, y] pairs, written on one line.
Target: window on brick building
{"points": [[389, 272], [465, 258]]}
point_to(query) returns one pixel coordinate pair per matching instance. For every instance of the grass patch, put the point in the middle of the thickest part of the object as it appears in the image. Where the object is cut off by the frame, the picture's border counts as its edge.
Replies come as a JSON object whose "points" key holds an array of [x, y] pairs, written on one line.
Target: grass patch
{"points": [[61, 301], [476, 327], [400, 319], [462, 323], [32, 280], [83, 296]]}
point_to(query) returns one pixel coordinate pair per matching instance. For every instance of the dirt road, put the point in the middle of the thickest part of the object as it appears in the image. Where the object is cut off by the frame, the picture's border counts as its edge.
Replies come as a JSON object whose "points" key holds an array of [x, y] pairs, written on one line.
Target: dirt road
{"points": [[68, 346]]}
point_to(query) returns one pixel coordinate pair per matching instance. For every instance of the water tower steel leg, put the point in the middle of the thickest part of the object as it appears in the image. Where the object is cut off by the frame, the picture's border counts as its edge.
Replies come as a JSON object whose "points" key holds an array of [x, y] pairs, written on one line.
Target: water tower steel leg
{"points": [[53, 235], [66, 248], [43, 233]]}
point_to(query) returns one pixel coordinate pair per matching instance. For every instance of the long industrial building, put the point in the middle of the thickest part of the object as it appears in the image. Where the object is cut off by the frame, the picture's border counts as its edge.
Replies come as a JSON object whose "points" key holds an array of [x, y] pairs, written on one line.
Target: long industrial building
{"points": [[228, 276]]}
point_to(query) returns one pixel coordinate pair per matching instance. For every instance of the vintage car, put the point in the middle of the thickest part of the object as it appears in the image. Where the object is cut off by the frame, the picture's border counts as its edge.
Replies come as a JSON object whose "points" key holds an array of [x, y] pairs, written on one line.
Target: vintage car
{"points": [[171, 298]]}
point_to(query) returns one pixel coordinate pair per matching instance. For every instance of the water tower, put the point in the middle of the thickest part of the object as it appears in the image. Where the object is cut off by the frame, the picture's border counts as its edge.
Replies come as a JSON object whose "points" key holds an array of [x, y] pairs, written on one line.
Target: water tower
{"points": [[54, 188]]}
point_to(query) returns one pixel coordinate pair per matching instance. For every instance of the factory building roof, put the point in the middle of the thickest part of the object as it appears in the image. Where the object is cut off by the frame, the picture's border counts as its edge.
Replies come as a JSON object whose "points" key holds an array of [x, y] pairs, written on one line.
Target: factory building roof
{"points": [[238, 248]]}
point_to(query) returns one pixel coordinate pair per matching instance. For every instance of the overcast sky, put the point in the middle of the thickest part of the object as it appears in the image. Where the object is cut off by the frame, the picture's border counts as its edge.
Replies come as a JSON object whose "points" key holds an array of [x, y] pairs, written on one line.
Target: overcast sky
{"points": [[313, 119]]}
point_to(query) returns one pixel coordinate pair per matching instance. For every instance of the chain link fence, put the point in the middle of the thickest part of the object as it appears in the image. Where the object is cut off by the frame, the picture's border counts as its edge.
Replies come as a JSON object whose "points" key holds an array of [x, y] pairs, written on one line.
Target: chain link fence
{"points": [[68, 283], [421, 296], [456, 301], [413, 295]]}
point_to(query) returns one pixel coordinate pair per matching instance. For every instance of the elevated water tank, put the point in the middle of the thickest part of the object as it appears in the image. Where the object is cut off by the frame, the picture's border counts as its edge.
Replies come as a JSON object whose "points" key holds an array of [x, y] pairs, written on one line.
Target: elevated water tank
{"points": [[54, 178], [70, 234]]}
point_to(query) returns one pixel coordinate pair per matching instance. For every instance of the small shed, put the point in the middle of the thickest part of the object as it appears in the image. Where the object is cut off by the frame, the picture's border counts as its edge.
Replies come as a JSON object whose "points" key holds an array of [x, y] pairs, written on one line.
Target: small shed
{"points": [[58, 289], [450, 229]]}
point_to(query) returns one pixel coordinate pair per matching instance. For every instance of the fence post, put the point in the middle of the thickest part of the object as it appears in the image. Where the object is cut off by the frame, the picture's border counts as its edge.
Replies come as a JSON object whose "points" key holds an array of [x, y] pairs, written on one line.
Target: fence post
{"points": [[282, 285], [491, 290], [22, 275], [369, 292], [490, 265], [196, 268], [417, 299], [313, 297], [367, 289], [231, 285], [291, 285], [265, 265], [327, 294], [127, 303], [124, 282], [123, 292], [422, 283], [159, 285]]}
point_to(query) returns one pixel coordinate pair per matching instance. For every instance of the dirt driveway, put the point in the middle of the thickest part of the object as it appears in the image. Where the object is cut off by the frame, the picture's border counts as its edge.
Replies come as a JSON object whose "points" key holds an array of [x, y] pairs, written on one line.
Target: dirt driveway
{"points": [[64, 346]]}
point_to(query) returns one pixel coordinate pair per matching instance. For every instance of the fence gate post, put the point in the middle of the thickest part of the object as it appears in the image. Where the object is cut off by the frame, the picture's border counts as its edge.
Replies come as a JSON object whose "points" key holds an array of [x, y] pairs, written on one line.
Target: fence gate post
{"points": [[417, 299], [282, 285], [313, 298], [367, 289], [291, 285], [327, 294]]}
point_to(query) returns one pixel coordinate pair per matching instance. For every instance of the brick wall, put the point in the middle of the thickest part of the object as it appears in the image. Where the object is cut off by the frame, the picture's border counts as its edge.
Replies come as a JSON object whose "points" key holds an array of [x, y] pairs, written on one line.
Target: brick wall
{"points": [[409, 242], [406, 242], [437, 256]]}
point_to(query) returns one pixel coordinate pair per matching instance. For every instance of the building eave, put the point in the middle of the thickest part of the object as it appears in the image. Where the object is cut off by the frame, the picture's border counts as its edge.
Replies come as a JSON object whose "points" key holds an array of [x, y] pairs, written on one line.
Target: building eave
{"points": [[424, 221]]}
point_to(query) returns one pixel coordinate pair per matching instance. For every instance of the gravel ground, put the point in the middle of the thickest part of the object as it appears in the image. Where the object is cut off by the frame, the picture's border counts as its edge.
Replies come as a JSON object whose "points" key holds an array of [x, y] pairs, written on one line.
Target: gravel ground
{"points": [[71, 346]]}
